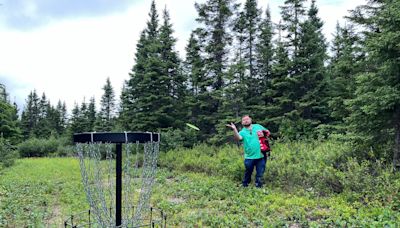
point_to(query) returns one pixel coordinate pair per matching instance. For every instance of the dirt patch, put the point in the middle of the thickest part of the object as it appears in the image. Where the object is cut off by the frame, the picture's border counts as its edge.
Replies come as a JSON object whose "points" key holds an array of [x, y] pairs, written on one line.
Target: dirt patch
{"points": [[55, 217], [176, 200], [295, 225]]}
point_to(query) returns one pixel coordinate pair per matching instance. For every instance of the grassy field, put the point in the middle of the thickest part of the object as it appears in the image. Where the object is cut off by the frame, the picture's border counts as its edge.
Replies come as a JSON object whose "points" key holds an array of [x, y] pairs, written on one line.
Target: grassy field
{"points": [[308, 185]]}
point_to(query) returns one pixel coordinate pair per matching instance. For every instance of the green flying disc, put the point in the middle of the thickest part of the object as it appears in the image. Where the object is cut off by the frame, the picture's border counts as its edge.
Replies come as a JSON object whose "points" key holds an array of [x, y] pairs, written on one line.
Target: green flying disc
{"points": [[192, 126]]}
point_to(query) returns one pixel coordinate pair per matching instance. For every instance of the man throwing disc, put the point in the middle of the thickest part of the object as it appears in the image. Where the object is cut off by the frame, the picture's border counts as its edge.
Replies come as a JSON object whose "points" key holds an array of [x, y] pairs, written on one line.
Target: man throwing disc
{"points": [[253, 157]]}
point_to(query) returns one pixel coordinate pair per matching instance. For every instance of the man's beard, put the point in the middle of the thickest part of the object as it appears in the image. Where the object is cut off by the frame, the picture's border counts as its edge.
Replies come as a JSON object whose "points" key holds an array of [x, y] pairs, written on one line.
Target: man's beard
{"points": [[246, 125]]}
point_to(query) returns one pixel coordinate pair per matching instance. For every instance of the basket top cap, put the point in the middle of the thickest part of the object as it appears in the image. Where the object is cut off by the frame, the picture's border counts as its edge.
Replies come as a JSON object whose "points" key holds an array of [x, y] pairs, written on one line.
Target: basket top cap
{"points": [[118, 137]]}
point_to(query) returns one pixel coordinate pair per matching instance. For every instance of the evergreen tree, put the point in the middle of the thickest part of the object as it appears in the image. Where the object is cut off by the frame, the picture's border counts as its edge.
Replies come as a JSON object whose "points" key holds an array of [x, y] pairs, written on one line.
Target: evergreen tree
{"points": [[293, 13], [43, 127], [344, 65], [264, 60], [91, 115], [238, 78], [61, 121], [105, 119], [280, 89], [375, 110], [3, 93], [123, 110], [30, 115], [215, 18], [75, 122], [176, 79], [307, 72], [84, 117], [198, 95], [251, 30], [9, 124], [312, 81], [147, 97], [141, 87]]}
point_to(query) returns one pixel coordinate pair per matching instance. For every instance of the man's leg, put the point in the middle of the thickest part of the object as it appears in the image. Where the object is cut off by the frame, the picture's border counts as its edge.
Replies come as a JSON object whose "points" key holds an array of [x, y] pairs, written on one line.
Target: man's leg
{"points": [[249, 166], [260, 168]]}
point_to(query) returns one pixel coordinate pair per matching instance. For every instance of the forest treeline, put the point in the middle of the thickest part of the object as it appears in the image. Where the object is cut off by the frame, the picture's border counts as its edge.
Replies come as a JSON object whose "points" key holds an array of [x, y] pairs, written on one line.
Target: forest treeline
{"points": [[286, 75]]}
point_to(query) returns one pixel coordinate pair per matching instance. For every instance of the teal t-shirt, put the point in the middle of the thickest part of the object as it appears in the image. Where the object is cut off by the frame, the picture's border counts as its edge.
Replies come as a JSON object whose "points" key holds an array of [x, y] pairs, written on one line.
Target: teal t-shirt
{"points": [[251, 144]]}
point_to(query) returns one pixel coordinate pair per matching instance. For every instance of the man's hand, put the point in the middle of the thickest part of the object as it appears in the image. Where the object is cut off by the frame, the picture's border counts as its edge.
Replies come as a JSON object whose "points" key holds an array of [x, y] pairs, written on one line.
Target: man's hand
{"points": [[235, 131], [232, 126]]}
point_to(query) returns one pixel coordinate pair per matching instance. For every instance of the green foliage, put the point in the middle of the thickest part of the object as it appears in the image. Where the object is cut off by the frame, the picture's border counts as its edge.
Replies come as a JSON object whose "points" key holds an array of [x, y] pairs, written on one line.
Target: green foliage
{"points": [[9, 124], [205, 159], [308, 184], [52, 146], [40, 119], [172, 139], [7, 154], [215, 20], [106, 117], [40, 192], [35, 147], [344, 65], [375, 109], [152, 97]]}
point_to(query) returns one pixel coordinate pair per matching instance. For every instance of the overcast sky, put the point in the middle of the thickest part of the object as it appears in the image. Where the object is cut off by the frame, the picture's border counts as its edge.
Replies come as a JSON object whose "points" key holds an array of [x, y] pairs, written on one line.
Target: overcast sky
{"points": [[67, 48]]}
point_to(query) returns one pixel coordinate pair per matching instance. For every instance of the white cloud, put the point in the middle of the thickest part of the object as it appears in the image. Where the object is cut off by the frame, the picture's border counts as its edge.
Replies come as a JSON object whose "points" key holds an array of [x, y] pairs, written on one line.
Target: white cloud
{"points": [[71, 59]]}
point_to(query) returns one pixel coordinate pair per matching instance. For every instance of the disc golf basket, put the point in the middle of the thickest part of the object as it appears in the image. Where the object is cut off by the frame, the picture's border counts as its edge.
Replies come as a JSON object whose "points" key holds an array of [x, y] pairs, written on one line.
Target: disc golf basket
{"points": [[118, 180]]}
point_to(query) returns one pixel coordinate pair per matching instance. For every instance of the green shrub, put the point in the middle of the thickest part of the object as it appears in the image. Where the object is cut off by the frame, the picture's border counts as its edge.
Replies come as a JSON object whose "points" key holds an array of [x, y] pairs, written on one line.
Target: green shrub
{"points": [[7, 155], [176, 138], [38, 147], [317, 167], [226, 161], [65, 147]]}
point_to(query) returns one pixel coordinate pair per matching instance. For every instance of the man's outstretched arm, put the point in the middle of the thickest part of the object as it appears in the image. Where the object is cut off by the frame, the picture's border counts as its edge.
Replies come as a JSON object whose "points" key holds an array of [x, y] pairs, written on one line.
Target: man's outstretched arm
{"points": [[235, 131]]}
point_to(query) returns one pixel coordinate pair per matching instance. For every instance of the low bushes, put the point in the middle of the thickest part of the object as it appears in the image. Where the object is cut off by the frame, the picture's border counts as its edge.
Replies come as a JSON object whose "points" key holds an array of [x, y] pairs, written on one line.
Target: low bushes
{"points": [[45, 147], [319, 168], [226, 161]]}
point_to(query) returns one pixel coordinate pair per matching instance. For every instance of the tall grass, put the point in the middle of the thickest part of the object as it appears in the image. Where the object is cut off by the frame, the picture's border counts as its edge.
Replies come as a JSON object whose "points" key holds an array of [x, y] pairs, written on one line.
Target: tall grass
{"points": [[308, 184], [321, 168]]}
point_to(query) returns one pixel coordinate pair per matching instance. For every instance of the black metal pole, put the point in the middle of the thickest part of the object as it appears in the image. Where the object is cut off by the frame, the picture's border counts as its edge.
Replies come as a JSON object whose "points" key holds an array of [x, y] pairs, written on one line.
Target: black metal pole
{"points": [[118, 186]]}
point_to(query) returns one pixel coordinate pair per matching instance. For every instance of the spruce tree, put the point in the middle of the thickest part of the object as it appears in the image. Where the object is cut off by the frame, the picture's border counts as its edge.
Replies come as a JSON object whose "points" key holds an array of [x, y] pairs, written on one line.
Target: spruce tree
{"points": [[147, 99], [9, 124], [123, 109], [216, 21], [198, 95], [174, 111], [3, 93], [142, 86], [251, 19], [293, 13], [30, 115], [311, 86], [61, 122], [280, 88], [43, 127], [375, 110], [91, 115], [75, 122], [87, 116], [307, 72], [264, 60], [105, 118], [344, 64]]}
